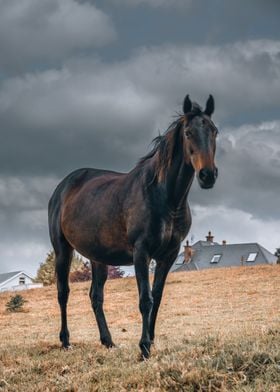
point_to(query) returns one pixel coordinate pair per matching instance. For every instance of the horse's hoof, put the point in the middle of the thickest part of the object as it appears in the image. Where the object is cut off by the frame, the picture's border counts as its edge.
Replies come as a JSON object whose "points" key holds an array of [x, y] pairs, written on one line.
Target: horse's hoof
{"points": [[67, 347], [143, 358], [111, 345], [145, 351], [108, 343]]}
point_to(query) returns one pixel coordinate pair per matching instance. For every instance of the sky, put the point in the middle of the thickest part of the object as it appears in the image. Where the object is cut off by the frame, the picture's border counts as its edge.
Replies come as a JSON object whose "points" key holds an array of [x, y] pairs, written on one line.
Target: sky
{"points": [[88, 83]]}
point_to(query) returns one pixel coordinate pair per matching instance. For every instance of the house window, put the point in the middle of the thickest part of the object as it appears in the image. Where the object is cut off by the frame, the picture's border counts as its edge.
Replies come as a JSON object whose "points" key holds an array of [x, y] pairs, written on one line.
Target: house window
{"points": [[252, 257], [21, 280], [215, 258]]}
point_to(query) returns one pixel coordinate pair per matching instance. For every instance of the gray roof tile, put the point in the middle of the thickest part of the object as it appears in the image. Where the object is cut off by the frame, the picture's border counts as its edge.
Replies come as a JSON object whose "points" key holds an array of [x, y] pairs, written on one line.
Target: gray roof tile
{"points": [[8, 275], [231, 255]]}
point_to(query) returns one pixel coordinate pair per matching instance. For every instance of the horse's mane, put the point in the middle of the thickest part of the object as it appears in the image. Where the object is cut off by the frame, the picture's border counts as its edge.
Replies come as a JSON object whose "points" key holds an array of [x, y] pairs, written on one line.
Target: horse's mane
{"points": [[163, 149], [166, 145]]}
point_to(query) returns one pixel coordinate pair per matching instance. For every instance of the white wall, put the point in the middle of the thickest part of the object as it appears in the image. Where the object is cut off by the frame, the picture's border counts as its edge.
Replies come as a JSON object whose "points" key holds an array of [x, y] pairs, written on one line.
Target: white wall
{"points": [[15, 284]]}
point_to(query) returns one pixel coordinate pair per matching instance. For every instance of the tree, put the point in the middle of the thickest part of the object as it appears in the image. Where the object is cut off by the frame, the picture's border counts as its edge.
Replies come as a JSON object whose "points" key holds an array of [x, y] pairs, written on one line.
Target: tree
{"points": [[16, 303], [115, 272], [81, 275], [46, 271]]}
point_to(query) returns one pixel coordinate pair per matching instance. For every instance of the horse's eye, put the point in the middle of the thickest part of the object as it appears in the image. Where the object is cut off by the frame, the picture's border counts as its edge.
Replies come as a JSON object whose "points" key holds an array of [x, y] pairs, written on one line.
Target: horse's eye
{"points": [[188, 133]]}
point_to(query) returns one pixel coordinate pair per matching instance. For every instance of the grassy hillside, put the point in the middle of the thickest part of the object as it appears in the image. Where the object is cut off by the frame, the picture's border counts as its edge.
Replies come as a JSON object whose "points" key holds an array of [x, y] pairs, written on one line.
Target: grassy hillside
{"points": [[217, 331]]}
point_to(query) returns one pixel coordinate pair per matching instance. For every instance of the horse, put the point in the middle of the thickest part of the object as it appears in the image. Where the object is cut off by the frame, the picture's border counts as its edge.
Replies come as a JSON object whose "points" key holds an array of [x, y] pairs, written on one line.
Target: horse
{"points": [[121, 219]]}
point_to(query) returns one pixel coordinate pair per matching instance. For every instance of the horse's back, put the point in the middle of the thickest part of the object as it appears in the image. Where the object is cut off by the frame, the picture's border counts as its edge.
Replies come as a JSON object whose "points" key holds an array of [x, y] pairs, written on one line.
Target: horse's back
{"points": [[76, 179]]}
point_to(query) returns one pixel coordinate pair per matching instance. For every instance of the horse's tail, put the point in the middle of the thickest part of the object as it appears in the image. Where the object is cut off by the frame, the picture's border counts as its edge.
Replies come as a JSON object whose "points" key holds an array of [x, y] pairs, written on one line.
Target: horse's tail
{"points": [[54, 214], [56, 203]]}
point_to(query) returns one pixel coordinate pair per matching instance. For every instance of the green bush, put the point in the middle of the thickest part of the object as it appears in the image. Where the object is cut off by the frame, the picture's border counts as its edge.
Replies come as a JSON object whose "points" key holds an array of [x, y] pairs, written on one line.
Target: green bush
{"points": [[16, 303]]}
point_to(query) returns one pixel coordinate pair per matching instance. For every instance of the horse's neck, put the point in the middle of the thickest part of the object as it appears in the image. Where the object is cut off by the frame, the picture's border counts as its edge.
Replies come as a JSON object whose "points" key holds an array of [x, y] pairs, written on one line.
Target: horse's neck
{"points": [[179, 178], [174, 180]]}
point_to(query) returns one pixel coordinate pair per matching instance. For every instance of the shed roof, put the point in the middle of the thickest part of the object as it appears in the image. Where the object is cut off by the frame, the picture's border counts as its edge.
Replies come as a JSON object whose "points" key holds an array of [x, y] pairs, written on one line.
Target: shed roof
{"points": [[9, 275]]}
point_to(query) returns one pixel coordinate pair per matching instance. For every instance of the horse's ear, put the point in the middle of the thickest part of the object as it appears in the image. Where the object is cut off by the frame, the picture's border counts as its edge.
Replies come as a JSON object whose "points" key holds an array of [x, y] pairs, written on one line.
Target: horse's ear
{"points": [[187, 105], [210, 106]]}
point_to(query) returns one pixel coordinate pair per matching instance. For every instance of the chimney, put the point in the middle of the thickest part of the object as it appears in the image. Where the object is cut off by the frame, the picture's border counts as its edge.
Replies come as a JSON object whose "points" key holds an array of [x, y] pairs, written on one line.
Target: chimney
{"points": [[188, 252], [224, 242], [209, 237]]}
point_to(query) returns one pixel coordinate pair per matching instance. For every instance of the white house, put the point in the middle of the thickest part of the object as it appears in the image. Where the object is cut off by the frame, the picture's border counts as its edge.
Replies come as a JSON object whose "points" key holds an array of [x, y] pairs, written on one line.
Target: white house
{"points": [[17, 280]]}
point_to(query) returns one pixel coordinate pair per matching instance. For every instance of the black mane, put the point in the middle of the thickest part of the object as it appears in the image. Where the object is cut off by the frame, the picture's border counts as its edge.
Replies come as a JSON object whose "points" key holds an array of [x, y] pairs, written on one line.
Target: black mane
{"points": [[163, 143], [160, 143]]}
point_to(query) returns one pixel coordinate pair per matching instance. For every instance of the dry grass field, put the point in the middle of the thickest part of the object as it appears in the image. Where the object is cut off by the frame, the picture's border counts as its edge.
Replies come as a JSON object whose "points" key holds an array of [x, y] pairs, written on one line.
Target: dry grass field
{"points": [[217, 331]]}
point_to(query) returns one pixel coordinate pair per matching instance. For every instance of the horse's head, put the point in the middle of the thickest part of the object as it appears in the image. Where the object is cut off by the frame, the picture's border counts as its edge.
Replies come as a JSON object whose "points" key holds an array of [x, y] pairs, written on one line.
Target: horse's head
{"points": [[200, 141]]}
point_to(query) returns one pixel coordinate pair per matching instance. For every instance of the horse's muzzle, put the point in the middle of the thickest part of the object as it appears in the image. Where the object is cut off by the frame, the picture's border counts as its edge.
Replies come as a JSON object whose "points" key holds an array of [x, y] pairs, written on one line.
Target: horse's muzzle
{"points": [[207, 178]]}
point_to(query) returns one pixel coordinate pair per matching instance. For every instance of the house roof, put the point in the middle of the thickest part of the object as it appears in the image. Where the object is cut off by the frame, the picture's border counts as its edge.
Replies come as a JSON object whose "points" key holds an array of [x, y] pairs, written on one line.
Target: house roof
{"points": [[199, 244], [231, 255], [9, 275], [269, 256]]}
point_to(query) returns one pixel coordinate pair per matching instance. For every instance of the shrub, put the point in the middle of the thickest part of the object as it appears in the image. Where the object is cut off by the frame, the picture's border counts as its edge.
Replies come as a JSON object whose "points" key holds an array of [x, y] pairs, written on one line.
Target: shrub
{"points": [[15, 304], [114, 272], [84, 274]]}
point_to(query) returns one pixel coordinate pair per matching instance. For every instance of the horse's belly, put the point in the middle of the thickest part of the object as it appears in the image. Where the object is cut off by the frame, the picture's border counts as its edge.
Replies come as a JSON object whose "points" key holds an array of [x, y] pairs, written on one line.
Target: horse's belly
{"points": [[104, 244], [108, 256]]}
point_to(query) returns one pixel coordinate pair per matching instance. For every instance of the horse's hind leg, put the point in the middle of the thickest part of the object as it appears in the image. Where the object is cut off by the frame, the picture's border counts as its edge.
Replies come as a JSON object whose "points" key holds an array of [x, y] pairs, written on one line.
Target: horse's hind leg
{"points": [[99, 277], [63, 253]]}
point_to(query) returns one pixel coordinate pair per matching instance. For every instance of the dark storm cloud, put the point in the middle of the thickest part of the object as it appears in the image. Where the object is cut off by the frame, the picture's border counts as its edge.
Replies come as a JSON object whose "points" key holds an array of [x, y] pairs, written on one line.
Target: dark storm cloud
{"points": [[199, 22], [153, 3], [84, 117], [45, 32], [97, 114]]}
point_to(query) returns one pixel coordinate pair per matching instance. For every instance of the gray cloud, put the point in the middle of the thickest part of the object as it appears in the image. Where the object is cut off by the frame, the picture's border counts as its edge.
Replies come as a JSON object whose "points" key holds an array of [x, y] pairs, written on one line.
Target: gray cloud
{"points": [[25, 254], [153, 3], [24, 239], [25, 193], [41, 33], [233, 225], [249, 166], [98, 114]]}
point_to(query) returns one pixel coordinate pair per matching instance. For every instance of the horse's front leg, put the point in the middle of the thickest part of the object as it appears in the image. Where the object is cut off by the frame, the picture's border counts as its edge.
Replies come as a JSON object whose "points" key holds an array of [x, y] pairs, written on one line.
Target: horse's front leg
{"points": [[141, 263], [99, 277], [161, 271]]}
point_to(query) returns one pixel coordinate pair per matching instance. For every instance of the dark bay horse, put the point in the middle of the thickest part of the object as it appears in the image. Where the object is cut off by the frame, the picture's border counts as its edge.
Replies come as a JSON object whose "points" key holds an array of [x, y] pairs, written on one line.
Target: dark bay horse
{"points": [[129, 218]]}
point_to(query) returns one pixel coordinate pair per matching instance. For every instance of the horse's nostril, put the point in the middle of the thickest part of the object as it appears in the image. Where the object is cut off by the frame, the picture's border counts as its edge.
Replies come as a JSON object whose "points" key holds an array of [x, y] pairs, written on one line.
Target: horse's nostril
{"points": [[216, 172], [203, 174], [207, 176]]}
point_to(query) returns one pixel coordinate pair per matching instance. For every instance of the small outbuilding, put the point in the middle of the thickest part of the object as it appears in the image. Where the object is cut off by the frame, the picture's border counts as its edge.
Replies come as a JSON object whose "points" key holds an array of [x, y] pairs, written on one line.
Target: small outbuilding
{"points": [[17, 280]]}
